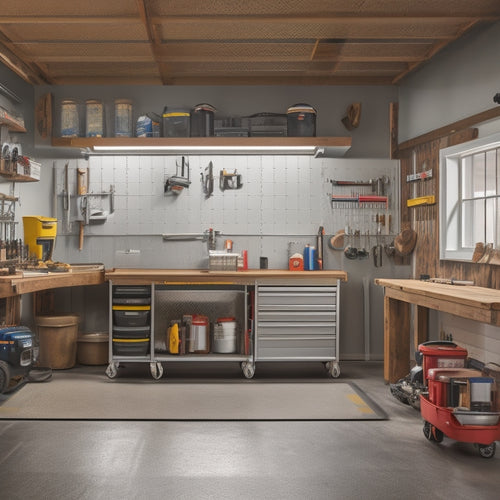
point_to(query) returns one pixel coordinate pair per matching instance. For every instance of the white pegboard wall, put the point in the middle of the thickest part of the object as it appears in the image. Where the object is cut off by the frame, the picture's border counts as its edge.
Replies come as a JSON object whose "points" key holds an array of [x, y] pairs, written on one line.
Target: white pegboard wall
{"points": [[281, 195]]}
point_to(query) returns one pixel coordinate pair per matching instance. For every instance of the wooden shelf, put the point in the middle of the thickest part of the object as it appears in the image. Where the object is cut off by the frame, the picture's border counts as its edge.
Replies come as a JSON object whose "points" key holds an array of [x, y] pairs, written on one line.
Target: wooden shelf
{"points": [[332, 146], [18, 177], [11, 124]]}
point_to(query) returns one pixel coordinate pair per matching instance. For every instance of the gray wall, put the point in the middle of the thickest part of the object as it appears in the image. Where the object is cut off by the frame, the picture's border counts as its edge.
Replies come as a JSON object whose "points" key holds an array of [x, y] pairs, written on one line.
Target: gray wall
{"points": [[370, 139], [111, 242], [460, 81]]}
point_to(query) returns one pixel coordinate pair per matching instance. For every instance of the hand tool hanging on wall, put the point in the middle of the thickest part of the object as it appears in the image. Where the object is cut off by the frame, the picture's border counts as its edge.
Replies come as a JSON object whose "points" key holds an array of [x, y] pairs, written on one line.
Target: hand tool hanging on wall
{"points": [[176, 183], [207, 180], [82, 188], [67, 198], [319, 247], [228, 180]]}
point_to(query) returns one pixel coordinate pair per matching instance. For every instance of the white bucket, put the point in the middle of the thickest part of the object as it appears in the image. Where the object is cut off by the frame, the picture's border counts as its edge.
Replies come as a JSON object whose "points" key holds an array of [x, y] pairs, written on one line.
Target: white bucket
{"points": [[224, 341]]}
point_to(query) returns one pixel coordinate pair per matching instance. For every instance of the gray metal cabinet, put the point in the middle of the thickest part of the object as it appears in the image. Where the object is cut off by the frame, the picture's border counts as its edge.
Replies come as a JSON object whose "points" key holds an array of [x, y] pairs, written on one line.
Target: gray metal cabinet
{"points": [[297, 323]]}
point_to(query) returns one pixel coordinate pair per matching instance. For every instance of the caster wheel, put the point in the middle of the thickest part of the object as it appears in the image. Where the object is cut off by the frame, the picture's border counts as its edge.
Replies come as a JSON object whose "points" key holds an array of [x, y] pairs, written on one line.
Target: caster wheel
{"points": [[487, 451], [248, 369], [334, 369], [112, 370], [432, 433], [156, 370], [428, 431], [4, 376]]}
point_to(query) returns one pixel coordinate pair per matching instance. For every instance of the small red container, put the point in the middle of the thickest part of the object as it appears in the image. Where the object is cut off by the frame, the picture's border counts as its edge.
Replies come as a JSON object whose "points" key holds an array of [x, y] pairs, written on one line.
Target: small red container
{"points": [[439, 383], [441, 356]]}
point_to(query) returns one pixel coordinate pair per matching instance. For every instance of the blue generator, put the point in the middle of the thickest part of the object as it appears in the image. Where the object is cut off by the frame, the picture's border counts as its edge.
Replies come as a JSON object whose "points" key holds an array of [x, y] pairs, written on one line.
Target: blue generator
{"points": [[16, 353]]}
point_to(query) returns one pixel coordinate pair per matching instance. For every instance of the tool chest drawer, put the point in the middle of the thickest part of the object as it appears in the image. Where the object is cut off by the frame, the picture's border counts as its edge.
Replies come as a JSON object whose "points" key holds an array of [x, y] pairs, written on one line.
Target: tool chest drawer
{"points": [[295, 347], [271, 296], [293, 329]]}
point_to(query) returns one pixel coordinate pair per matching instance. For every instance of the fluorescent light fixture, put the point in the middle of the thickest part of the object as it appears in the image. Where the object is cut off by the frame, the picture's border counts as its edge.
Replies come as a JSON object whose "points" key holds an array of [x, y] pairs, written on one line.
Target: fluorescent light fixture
{"points": [[223, 149]]}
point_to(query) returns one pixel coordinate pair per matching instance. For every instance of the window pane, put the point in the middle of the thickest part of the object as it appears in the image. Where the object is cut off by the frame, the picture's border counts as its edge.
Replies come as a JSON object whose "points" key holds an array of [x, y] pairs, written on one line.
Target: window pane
{"points": [[491, 172], [472, 223], [498, 172], [490, 220], [478, 162], [467, 177]]}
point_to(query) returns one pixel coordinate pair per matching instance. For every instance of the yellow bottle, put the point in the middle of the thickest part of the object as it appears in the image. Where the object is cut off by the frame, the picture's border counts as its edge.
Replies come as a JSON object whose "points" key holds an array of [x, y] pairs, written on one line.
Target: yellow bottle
{"points": [[173, 339]]}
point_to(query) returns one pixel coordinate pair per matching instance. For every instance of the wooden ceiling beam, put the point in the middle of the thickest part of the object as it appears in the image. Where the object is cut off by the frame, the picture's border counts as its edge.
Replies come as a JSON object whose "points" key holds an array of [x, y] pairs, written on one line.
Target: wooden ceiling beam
{"points": [[319, 19], [30, 73], [153, 37], [69, 20]]}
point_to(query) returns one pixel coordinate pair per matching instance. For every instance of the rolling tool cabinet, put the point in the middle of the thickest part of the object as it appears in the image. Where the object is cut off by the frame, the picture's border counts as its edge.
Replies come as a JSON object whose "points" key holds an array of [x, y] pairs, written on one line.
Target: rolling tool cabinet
{"points": [[280, 316], [298, 323]]}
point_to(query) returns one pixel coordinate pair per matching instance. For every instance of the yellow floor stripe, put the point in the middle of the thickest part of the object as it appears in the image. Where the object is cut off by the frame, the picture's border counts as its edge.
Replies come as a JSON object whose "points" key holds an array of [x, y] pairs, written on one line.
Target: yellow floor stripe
{"points": [[362, 406]]}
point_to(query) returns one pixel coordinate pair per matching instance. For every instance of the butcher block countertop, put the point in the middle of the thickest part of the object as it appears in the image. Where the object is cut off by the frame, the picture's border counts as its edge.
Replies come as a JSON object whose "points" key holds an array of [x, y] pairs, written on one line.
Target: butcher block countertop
{"points": [[200, 276]]}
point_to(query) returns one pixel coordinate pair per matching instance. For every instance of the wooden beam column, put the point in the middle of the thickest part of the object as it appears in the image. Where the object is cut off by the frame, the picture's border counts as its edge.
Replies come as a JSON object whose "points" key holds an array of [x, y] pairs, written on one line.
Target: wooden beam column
{"points": [[420, 326], [396, 339]]}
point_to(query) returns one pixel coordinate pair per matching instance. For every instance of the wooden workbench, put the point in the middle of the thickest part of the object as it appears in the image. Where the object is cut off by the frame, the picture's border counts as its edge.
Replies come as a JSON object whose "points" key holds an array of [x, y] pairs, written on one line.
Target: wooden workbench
{"points": [[471, 302], [12, 287], [193, 276], [18, 284]]}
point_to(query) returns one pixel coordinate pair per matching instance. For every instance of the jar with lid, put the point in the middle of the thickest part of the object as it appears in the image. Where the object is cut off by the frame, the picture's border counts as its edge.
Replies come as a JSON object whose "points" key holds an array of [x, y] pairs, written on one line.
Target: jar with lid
{"points": [[70, 118], [123, 118], [94, 118]]}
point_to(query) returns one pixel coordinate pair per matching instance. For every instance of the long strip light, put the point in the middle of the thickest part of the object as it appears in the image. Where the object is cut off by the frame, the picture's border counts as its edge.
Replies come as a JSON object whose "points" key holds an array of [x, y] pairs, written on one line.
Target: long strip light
{"points": [[225, 149]]}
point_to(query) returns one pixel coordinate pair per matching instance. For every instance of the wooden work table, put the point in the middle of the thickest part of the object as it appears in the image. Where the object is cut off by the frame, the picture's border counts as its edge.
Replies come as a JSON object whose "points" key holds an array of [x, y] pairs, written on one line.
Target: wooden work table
{"points": [[471, 302], [18, 284], [196, 276]]}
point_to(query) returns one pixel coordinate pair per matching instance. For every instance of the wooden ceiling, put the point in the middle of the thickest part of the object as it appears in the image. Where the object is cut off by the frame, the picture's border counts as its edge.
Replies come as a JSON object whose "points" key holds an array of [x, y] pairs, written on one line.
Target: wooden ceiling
{"points": [[231, 42]]}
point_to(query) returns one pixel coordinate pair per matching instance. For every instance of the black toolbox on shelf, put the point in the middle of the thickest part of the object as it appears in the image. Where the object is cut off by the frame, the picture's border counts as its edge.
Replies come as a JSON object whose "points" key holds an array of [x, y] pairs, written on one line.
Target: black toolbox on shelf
{"points": [[131, 332], [131, 315], [131, 347]]}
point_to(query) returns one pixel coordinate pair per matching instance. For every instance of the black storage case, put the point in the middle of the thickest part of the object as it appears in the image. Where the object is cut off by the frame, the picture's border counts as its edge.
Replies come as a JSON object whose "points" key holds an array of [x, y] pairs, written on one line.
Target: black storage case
{"points": [[301, 121], [202, 120]]}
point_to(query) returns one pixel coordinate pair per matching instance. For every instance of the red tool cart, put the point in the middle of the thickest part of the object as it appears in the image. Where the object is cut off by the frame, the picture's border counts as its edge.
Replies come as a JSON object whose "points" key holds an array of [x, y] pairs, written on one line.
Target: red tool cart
{"points": [[458, 400]]}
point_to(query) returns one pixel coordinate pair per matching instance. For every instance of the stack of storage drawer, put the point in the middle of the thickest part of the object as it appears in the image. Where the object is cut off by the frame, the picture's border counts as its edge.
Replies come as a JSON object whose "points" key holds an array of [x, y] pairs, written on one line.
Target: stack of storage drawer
{"points": [[297, 323], [131, 320]]}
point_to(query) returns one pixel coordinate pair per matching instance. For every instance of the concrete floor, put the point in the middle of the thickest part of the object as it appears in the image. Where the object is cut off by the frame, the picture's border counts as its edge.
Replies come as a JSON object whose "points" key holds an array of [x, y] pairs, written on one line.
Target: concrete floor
{"points": [[388, 459]]}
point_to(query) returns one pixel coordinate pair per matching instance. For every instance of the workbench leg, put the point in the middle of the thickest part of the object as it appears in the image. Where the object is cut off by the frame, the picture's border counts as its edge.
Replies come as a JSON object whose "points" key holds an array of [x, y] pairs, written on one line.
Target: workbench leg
{"points": [[420, 326], [12, 312], [396, 339]]}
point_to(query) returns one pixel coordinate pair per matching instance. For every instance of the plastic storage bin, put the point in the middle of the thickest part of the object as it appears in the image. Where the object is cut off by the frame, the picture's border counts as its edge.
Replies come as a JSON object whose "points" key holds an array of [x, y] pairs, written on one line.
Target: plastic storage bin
{"points": [[123, 118], [130, 332], [94, 118], [57, 337], [131, 315], [202, 120], [92, 348], [175, 123], [130, 347], [301, 121]]}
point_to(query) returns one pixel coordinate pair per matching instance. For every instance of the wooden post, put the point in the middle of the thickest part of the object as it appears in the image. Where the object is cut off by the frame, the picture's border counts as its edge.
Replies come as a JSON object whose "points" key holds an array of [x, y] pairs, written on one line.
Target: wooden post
{"points": [[420, 326], [396, 339]]}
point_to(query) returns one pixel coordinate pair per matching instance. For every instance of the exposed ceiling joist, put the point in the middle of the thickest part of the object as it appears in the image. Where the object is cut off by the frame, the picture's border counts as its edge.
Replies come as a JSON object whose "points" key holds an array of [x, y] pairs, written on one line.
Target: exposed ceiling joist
{"points": [[231, 43]]}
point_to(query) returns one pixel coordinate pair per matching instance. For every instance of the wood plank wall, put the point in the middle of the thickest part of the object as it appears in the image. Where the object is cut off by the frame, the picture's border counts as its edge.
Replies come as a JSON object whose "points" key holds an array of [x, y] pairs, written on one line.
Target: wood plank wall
{"points": [[425, 219]]}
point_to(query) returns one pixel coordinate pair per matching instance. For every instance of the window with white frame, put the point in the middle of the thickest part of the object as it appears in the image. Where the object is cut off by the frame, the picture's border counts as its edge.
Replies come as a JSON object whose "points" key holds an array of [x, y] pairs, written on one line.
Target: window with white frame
{"points": [[469, 197]]}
